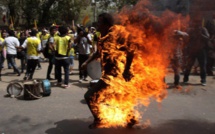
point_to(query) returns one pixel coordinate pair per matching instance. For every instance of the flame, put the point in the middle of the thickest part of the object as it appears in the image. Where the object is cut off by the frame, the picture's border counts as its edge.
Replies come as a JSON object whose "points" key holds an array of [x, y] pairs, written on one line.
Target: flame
{"points": [[147, 37]]}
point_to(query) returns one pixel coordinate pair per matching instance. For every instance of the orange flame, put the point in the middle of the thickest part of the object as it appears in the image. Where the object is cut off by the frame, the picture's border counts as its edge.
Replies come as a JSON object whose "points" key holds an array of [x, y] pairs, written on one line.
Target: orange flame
{"points": [[148, 37]]}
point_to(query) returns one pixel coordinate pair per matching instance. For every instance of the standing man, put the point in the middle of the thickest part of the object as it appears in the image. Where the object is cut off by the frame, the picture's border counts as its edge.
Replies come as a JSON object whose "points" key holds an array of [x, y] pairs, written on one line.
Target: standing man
{"points": [[61, 46], [33, 46], [84, 49], [197, 49], [1, 55], [50, 54], [12, 43]]}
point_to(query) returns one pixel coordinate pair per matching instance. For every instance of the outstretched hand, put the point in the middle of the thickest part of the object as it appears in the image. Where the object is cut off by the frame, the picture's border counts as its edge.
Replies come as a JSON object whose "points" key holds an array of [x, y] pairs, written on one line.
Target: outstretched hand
{"points": [[84, 66]]}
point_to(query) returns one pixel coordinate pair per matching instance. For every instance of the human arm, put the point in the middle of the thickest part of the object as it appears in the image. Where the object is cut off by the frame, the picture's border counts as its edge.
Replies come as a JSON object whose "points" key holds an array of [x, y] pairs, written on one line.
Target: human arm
{"points": [[127, 75], [51, 44], [92, 56]]}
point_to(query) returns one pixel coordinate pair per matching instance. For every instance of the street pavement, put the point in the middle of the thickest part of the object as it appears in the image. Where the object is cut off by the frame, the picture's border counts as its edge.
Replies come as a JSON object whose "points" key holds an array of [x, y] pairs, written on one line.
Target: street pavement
{"points": [[190, 110]]}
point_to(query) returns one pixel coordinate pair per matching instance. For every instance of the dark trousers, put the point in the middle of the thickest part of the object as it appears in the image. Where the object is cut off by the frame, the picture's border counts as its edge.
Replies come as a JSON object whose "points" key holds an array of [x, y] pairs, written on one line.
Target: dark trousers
{"points": [[202, 59], [65, 64], [210, 64], [31, 66], [91, 96], [81, 59], [1, 61], [176, 66], [23, 62], [50, 66], [11, 60]]}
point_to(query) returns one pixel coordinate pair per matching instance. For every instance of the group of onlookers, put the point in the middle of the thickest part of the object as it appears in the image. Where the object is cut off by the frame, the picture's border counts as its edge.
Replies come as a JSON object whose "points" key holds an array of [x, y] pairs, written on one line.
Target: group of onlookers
{"points": [[57, 44], [198, 50]]}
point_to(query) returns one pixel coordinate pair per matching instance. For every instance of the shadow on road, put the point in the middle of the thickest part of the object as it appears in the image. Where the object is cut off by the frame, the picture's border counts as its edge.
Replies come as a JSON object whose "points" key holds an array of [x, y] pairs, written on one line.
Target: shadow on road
{"points": [[80, 126], [20, 125]]}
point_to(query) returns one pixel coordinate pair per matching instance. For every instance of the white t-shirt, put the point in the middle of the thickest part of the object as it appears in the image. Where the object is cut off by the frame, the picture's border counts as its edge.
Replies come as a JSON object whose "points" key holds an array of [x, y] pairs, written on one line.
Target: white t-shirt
{"points": [[84, 47], [11, 43]]}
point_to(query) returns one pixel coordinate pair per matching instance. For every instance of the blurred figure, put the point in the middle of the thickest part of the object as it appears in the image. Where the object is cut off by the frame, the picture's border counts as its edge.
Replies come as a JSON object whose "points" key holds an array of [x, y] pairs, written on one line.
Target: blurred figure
{"points": [[84, 49], [176, 59], [33, 46], [11, 43], [2, 58], [197, 49], [210, 25], [51, 53], [21, 54], [44, 39]]}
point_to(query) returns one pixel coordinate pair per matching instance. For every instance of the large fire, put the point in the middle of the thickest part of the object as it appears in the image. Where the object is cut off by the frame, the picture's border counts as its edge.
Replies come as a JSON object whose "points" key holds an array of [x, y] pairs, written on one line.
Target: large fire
{"points": [[148, 37]]}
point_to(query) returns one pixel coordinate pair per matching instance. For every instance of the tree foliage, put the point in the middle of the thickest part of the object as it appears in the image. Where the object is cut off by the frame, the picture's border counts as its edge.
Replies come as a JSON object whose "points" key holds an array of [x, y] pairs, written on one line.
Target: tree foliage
{"points": [[46, 12]]}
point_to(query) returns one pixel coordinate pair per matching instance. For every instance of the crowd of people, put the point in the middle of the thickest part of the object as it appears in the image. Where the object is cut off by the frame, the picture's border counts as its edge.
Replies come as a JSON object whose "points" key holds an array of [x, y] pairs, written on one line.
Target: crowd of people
{"points": [[57, 45], [81, 41], [195, 49]]}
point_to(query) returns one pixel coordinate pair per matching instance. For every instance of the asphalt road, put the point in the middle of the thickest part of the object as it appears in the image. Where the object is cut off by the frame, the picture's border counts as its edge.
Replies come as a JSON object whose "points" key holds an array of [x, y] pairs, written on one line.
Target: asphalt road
{"points": [[190, 110]]}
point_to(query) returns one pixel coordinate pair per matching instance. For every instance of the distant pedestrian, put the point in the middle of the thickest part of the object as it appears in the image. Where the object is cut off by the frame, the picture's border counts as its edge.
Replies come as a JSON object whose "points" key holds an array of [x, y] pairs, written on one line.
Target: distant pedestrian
{"points": [[11, 43]]}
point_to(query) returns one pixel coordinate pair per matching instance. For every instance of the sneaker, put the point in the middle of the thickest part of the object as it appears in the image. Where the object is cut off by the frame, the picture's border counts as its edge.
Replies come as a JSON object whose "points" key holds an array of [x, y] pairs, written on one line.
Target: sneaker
{"points": [[203, 84], [185, 81], [39, 68], [85, 79], [80, 81], [58, 84], [65, 86]]}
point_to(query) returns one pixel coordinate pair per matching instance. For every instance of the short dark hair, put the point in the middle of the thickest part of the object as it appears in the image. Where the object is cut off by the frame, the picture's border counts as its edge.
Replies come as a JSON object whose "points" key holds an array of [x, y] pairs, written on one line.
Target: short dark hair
{"points": [[11, 33], [33, 32], [107, 19], [63, 30], [52, 28]]}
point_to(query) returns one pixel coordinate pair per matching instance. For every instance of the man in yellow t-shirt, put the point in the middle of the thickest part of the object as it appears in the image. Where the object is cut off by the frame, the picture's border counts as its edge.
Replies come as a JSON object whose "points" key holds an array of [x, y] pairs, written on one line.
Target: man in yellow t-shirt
{"points": [[33, 45], [1, 55], [62, 45]]}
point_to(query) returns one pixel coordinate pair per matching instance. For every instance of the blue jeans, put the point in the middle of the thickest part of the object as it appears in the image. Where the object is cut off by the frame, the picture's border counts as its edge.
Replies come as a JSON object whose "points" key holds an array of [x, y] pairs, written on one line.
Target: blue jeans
{"points": [[11, 60]]}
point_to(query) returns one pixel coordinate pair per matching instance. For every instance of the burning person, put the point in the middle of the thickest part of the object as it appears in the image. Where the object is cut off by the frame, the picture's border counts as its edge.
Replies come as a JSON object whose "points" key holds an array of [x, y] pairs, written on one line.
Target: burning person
{"points": [[110, 68], [134, 56]]}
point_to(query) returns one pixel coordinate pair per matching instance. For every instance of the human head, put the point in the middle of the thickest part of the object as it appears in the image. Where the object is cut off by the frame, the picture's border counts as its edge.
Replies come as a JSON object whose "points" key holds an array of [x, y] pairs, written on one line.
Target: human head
{"points": [[53, 30], [11, 33], [33, 32], [105, 21], [63, 30]]}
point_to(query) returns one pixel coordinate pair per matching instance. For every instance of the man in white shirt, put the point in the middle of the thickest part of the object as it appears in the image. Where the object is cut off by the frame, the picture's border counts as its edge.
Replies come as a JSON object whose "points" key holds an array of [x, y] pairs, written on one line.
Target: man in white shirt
{"points": [[11, 43]]}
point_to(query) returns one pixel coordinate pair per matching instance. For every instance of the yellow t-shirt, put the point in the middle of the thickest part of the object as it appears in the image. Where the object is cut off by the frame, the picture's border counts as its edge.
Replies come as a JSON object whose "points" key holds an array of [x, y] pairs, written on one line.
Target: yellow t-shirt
{"points": [[1, 41], [32, 45], [45, 37], [38, 35], [62, 44]]}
